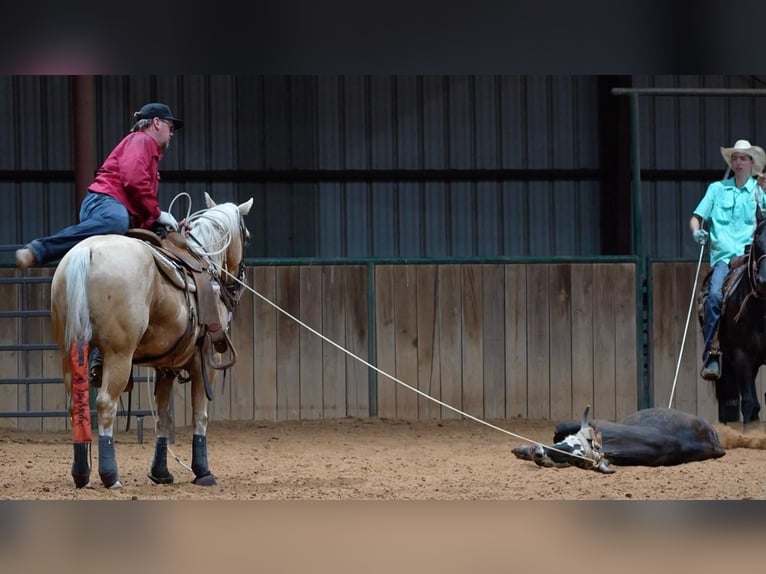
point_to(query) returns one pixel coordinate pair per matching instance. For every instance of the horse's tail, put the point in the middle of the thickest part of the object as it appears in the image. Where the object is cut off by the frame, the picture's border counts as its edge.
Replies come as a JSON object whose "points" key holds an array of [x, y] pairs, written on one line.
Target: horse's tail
{"points": [[78, 327]]}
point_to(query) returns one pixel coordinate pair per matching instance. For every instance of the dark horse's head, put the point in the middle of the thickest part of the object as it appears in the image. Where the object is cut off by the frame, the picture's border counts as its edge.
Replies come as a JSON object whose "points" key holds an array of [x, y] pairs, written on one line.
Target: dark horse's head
{"points": [[757, 262]]}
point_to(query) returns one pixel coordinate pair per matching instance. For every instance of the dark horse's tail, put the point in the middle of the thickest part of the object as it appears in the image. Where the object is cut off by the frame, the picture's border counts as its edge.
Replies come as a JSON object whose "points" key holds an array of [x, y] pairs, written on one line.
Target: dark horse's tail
{"points": [[78, 327]]}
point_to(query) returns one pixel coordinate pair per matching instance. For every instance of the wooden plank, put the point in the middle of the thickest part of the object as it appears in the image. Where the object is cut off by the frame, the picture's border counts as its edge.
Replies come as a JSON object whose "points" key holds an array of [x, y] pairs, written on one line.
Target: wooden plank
{"points": [[662, 332], [288, 343], [241, 377], [449, 309], [516, 369], [605, 364], [538, 341], [311, 345], [357, 339], [472, 340], [493, 334], [582, 337], [406, 324], [626, 348], [385, 340], [9, 334], [334, 326], [560, 277], [265, 357], [684, 362], [429, 361]]}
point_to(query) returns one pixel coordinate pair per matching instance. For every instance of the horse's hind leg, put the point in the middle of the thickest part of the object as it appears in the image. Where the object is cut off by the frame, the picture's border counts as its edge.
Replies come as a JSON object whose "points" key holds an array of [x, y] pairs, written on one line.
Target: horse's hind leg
{"points": [[116, 371], [164, 385], [75, 367], [203, 476]]}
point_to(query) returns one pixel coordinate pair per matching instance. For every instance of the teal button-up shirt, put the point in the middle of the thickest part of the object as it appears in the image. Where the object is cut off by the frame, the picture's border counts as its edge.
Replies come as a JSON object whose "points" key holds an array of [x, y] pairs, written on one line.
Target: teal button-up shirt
{"points": [[731, 212]]}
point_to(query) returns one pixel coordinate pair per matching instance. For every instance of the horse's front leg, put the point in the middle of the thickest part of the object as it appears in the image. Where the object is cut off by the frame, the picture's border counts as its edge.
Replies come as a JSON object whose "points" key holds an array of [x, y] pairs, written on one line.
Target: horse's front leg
{"points": [[163, 387], [202, 474], [116, 371], [750, 405]]}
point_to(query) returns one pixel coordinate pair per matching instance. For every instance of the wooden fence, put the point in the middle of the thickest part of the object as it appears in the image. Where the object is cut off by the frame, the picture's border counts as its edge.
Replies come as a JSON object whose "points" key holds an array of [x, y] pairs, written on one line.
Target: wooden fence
{"points": [[498, 341]]}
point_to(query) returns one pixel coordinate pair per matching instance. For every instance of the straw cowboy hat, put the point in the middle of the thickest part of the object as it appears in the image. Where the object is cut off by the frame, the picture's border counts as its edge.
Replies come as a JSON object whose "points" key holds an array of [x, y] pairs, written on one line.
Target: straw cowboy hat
{"points": [[743, 146]]}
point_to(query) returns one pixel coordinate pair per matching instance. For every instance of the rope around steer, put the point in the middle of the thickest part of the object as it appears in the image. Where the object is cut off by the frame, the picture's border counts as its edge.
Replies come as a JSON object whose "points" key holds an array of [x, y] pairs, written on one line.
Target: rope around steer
{"points": [[595, 463]]}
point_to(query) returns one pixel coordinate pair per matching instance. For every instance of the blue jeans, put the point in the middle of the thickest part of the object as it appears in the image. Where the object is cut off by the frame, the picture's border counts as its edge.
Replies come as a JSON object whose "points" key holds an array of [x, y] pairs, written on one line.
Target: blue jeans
{"points": [[712, 308], [99, 215]]}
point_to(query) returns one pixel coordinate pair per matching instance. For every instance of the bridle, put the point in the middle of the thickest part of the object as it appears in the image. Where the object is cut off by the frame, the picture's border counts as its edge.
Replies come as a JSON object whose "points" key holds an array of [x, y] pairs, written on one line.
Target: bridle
{"points": [[753, 262], [232, 290]]}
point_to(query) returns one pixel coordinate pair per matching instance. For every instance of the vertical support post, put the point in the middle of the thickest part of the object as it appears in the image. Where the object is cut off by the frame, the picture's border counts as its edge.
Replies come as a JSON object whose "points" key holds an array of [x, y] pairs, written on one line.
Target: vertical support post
{"points": [[645, 398], [372, 379]]}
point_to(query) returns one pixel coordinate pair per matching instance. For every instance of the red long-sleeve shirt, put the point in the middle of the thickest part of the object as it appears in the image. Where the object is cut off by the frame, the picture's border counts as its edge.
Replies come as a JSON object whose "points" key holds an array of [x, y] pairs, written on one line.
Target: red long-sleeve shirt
{"points": [[130, 174]]}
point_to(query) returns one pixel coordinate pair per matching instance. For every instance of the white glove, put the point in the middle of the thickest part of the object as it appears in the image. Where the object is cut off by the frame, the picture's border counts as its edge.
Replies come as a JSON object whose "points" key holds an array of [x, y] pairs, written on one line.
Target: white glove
{"points": [[167, 220], [701, 236]]}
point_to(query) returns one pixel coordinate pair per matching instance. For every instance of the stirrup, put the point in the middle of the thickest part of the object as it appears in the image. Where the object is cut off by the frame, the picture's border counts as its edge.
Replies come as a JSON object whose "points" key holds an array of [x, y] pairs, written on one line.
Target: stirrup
{"points": [[95, 367], [711, 370]]}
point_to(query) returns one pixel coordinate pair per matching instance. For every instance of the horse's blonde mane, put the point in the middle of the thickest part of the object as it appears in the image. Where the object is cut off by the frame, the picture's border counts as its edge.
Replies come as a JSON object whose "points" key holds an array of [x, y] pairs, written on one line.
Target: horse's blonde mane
{"points": [[212, 230]]}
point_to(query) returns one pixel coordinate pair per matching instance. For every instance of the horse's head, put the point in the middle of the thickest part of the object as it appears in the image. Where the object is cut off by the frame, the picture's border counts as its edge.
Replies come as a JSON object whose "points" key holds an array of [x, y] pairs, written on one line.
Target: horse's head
{"points": [[235, 251], [758, 255], [220, 234]]}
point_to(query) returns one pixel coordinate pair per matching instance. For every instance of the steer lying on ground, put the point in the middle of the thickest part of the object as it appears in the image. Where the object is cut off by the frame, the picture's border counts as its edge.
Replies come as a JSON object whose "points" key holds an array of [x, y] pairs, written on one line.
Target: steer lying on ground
{"points": [[649, 437]]}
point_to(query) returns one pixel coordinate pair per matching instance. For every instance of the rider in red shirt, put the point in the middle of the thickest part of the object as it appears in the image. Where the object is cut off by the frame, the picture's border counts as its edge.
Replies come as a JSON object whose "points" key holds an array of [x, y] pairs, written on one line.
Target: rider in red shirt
{"points": [[123, 193]]}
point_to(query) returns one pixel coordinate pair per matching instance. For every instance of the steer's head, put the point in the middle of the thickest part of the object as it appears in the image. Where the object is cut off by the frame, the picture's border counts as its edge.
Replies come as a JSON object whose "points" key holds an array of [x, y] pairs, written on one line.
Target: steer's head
{"points": [[582, 450]]}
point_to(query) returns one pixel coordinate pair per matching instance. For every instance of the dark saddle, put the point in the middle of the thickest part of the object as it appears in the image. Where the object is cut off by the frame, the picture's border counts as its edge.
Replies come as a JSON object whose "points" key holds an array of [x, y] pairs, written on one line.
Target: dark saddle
{"points": [[737, 271], [190, 273]]}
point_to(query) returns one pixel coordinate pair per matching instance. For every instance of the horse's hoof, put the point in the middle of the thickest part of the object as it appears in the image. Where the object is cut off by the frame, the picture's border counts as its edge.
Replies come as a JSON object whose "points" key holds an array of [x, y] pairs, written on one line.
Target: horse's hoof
{"points": [[81, 480], [167, 479], [116, 486], [207, 480], [88, 485]]}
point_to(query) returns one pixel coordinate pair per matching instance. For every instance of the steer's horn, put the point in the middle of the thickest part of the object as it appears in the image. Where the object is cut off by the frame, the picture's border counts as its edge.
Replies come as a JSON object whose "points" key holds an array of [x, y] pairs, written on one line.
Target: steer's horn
{"points": [[584, 422]]}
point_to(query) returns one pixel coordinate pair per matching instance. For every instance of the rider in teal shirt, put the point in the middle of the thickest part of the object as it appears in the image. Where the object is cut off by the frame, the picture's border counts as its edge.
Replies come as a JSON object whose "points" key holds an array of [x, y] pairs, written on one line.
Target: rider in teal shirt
{"points": [[728, 206]]}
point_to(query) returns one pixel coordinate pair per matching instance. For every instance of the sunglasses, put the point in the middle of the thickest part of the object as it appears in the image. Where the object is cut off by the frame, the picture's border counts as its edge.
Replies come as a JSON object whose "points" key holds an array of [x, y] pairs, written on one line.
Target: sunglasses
{"points": [[170, 124]]}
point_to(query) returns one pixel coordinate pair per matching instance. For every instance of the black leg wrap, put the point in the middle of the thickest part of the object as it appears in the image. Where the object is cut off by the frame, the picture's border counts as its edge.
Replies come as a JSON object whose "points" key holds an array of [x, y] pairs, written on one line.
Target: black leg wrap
{"points": [[80, 467], [107, 462], [160, 473], [199, 462]]}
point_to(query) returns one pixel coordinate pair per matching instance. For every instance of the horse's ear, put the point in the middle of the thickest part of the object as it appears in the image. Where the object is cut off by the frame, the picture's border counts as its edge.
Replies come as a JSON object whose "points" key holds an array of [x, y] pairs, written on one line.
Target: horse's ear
{"points": [[209, 201], [244, 208]]}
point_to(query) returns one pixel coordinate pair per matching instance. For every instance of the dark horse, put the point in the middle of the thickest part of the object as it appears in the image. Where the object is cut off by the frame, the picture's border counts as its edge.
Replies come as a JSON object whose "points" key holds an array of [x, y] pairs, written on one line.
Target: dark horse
{"points": [[742, 331]]}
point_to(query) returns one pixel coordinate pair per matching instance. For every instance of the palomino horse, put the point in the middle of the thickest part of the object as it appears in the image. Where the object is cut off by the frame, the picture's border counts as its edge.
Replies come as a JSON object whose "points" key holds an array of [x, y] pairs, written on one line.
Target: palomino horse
{"points": [[108, 292], [742, 332]]}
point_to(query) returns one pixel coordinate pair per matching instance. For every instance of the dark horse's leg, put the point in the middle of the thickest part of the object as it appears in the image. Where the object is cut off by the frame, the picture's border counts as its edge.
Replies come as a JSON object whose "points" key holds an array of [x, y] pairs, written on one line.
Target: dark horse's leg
{"points": [[727, 392], [203, 476], [749, 397], [163, 386]]}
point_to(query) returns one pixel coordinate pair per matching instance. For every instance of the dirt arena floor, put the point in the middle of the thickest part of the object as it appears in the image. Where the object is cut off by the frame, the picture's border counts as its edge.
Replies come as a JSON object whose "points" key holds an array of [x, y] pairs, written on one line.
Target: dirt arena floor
{"points": [[371, 459]]}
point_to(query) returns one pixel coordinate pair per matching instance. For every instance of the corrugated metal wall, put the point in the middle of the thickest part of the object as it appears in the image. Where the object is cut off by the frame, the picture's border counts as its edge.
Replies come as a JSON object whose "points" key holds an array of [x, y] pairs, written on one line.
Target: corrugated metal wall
{"points": [[290, 142], [681, 137], [386, 166]]}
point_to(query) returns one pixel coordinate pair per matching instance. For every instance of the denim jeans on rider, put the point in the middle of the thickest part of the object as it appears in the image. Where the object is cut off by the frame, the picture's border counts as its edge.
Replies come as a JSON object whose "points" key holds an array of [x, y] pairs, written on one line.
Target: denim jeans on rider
{"points": [[99, 215], [712, 309]]}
